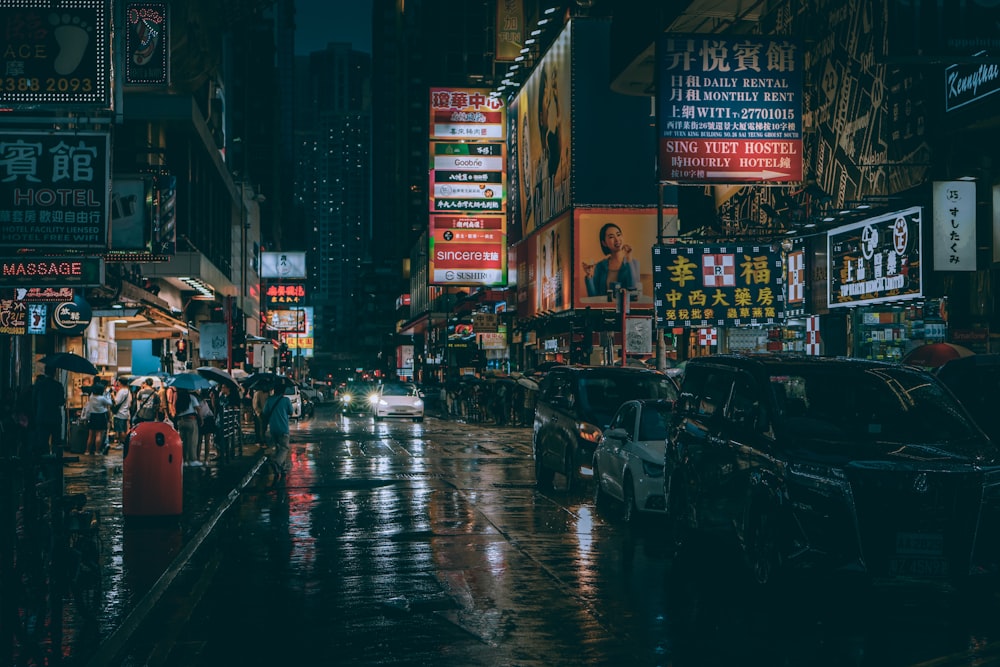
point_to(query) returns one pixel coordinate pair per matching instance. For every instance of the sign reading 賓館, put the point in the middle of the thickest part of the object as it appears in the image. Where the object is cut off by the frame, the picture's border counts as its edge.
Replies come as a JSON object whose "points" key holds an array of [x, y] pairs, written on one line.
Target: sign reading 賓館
{"points": [[729, 109], [875, 260], [55, 190], [717, 285]]}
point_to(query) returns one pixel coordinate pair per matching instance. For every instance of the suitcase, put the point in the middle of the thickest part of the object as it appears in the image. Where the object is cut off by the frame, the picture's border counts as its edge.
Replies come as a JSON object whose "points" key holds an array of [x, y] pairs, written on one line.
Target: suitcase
{"points": [[77, 438]]}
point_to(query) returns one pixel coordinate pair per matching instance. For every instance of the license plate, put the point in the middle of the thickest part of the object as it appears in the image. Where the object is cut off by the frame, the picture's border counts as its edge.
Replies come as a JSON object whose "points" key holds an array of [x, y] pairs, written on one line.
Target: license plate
{"points": [[919, 545], [918, 567]]}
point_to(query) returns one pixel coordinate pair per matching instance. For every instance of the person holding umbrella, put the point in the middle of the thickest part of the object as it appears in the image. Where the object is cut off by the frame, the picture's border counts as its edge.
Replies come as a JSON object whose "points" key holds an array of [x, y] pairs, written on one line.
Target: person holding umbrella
{"points": [[96, 414], [277, 412], [49, 397]]}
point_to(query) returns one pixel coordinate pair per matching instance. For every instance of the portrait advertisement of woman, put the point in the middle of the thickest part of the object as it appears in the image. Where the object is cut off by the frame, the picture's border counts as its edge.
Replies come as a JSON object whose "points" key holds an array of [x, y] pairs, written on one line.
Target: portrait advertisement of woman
{"points": [[615, 246], [553, 269]]}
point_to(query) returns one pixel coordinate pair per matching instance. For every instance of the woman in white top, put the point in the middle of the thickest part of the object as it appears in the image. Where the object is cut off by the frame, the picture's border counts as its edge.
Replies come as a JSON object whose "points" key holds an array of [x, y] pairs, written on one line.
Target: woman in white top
{"points": [[95, 412]]}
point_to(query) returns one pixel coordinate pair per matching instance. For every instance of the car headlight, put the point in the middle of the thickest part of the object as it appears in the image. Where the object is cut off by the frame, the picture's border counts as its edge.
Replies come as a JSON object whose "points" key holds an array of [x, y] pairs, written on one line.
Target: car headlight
{"points": [[346, 398], [374, 398], [589, 432]]}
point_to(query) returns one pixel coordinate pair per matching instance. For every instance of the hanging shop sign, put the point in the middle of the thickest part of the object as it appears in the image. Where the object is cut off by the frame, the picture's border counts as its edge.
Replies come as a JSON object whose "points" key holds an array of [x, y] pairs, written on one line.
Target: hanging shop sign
{"points": [[44, 294], [72, 317], [213, 343], [283, 295], [13, 317], [717, 285], [796, 278], [55, 53], [37, 318], [56, 190], [146, 45], [954, 225], [875, 260], [51, 271], [282, 265], [729, 109], [638, 334], [468, 250]]}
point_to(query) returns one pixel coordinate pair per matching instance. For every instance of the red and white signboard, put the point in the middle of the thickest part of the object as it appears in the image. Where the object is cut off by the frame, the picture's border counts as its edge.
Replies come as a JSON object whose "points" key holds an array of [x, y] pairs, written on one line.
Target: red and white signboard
{"points": [[708, 336]]}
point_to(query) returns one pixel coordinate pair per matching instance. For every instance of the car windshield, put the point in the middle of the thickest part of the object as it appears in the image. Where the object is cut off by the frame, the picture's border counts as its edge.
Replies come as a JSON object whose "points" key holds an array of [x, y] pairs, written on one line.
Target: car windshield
{"points": [[289, 391], [869, 405], [654, 421], [391, 389], [601, 395]]}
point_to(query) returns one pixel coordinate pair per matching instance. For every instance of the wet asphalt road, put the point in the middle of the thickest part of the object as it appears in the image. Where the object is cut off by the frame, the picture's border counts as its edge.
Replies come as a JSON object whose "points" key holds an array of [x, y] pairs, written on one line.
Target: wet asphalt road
{"points": [[427, 544]]}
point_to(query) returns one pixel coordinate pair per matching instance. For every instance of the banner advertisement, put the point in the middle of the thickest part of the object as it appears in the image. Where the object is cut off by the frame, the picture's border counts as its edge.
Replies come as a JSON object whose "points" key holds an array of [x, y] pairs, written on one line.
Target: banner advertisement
{"points": [[510, 30], [737, 284], [282, 265], [467, 177], [954, 225], [55, 192], [146, 44], [466, 114], [615, 246], [797, 272], [55, 53], [302, 344], [729, 109], [283, 295], [554, 269], [289, 321], [875, 260]]}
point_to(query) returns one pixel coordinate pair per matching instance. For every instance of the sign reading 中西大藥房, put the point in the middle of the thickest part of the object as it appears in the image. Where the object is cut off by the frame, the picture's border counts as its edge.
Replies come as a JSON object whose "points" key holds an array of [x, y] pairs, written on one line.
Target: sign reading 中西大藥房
{"points": [[55, 53], [875, 260], [55, 190], [709, 285], [729, 108]]}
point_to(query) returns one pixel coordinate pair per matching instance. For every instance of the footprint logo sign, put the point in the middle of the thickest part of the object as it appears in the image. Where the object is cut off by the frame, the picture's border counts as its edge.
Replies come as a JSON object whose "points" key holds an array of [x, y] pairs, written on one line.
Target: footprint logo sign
{"points": [[73, 35]]}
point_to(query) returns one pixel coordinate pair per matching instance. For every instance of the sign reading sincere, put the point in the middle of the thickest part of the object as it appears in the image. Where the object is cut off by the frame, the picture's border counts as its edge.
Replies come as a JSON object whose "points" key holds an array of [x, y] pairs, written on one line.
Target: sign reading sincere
{"points": [[729, 109], [55, 52], [701, 285], [54, 192], [875, 260]]}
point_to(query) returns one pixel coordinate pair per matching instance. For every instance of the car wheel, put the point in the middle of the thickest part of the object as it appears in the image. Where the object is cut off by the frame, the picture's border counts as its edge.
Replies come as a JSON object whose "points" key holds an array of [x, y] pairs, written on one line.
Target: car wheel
{"points": [[543, 476], [569, 470], [761, 549], [600, 498], [376, 418], [629, 512]]}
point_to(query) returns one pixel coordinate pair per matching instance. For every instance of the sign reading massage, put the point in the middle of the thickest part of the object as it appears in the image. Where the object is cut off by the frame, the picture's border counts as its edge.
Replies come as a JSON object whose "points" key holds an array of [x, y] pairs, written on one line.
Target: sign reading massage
{"points": [[729, 109], [55, 191], [875, 260], [717, 285]]}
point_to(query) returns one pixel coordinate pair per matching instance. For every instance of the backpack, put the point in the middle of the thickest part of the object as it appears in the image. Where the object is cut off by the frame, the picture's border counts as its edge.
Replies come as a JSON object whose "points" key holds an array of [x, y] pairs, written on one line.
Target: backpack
{"points": [[148, 407]]}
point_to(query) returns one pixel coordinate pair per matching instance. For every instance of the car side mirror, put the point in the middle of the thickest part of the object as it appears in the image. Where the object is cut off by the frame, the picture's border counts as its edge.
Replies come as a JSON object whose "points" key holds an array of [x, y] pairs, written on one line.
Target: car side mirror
{"points": [[616, 434]]}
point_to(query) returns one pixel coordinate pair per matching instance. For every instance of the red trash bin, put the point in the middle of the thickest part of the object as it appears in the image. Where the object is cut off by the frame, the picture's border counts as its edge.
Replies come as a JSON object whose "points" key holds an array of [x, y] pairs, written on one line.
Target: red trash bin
{"points": [[152, 471]]}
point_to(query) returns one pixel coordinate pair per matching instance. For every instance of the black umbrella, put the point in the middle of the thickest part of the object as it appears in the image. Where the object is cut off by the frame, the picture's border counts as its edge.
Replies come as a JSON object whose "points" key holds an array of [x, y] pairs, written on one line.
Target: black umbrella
{"points": [[219, 375], [266, 380], [68, 361]]}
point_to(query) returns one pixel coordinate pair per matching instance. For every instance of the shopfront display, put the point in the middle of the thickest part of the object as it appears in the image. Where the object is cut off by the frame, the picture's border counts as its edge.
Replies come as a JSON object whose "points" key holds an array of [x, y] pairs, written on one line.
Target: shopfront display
{"points": [[887, 333]]}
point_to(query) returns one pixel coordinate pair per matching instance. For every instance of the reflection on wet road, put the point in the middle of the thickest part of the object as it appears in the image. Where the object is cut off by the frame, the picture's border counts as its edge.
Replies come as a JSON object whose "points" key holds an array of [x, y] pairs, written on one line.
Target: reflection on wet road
{"points": [[426, 544]]}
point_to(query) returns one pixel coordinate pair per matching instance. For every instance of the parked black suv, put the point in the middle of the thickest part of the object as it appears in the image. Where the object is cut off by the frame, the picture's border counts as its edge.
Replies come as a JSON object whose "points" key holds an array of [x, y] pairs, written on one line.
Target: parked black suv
{"points": [[841, 465], [574, 406]]}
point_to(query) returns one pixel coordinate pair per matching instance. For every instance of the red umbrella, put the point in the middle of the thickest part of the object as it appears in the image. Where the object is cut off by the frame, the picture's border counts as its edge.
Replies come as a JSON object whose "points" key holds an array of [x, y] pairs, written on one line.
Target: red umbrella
{"points": [[935, 355]]}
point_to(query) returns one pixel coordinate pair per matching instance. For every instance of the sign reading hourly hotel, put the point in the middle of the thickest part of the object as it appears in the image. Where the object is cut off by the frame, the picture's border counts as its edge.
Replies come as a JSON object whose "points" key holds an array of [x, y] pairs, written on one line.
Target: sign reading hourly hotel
{"points": [[729, 109]]}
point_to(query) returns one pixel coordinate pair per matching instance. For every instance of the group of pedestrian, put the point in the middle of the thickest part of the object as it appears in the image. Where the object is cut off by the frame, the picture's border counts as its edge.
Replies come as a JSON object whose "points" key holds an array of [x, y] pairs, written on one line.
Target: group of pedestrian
{"points": [[500, 401]]}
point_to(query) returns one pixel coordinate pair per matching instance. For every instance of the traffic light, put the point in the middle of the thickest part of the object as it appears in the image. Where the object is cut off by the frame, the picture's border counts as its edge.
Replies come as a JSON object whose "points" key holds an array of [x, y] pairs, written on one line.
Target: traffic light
{"points": [[285, 355], [180, 348]]}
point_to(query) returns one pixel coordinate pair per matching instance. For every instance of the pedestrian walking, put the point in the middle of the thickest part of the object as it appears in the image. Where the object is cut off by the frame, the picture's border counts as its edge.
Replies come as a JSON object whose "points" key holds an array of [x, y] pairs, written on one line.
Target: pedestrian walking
{"points": [[147, 403], [259, 401], [185, 419], [277, 412], [95, 416], [49, 398], [121, 410]]}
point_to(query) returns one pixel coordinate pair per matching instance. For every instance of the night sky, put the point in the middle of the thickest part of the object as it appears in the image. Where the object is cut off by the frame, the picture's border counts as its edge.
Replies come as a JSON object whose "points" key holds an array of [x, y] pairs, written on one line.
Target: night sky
{"points": [[318, 22]]}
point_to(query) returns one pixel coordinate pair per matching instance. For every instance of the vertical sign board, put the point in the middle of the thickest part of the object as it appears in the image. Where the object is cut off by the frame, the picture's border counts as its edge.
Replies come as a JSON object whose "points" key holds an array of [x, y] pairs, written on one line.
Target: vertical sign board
{"points": [[954, 225], [717, 285], [55, 192], [729, 109], [146, 45], [875, 260], [468, 225], [55, 53]]}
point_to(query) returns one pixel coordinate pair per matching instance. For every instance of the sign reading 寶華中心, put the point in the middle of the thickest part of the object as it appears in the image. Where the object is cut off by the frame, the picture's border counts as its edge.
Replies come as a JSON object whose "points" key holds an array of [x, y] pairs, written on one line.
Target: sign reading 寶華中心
{"points": [[729, 109]]}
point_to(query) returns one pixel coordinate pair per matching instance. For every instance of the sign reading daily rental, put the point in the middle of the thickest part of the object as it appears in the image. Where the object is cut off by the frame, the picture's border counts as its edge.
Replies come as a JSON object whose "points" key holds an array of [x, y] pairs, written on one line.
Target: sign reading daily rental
{"points": [[468, 229], [729, 109]]}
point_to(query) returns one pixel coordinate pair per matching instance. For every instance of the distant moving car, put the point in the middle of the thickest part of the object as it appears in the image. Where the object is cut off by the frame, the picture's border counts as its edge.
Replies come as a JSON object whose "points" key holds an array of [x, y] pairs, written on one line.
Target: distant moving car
{"points": [[398, 399], [355, 397], [628, 461], [837, 466], [293, 394], [574, 406], [315, 395]]}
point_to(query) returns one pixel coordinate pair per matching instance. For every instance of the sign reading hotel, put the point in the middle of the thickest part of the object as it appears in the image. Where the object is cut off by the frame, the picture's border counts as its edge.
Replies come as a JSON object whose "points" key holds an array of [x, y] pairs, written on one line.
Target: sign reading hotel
{"points": [[55, 52], [875, 260], [729, 109], [55, 190], [468, 235], [717, 285]]}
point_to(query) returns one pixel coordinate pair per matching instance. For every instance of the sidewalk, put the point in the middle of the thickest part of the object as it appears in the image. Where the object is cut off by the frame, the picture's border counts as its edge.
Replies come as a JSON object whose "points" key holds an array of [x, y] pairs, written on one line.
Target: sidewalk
{"points": [[142, 555]]}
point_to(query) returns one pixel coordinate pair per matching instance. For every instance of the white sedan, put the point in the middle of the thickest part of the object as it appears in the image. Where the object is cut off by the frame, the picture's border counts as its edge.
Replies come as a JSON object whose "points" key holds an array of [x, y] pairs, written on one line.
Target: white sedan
{"points": [[628, 461], [398, 399]]}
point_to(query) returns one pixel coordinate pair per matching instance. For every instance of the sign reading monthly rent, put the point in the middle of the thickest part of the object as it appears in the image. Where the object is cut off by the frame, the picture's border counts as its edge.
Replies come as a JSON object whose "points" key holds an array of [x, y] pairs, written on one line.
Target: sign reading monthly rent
{"points": [[717, 285], [468, 228], [729, 109]]}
